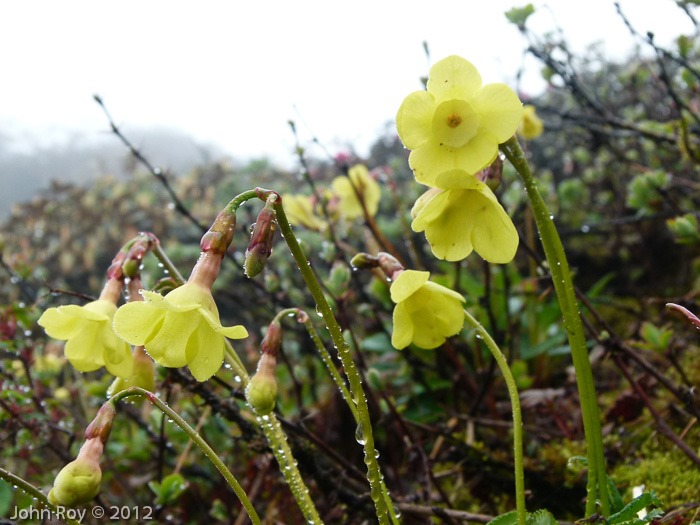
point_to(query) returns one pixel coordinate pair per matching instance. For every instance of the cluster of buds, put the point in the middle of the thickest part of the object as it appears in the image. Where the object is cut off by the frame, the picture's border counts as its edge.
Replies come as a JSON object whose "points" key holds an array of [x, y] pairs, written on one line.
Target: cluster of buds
{"points": [[261, 392], [260, 246], [127, 263], [79, 481]]}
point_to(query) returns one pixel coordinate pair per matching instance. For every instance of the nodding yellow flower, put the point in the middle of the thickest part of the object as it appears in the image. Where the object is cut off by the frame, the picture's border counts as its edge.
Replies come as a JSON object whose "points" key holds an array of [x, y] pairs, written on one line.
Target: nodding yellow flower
{"points": [[457, 122], [464, 217], [366, 186], [426, 313], [300, 211], [91, 341], [182, 328], [531, 126]]}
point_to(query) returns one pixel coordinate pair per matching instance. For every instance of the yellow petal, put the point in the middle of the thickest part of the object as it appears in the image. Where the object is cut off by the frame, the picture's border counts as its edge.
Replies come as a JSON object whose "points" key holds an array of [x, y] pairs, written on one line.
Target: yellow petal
{"points": [[499, 109], [137, 322], [457, 179], [83, 312], [232, 332], [406, 284], [84, 350], [478, 153], [453, 77], [59, 325], [204, 352], [414, 119], [436, 314], [403, 327], [494, 236], [423, 200], [438, 289], [167, 347], [116, 354], [448, 222]]}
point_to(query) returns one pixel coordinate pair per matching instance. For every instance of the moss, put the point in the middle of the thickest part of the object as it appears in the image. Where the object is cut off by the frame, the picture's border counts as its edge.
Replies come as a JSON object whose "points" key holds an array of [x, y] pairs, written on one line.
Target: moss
{"points": [[669, 472]]}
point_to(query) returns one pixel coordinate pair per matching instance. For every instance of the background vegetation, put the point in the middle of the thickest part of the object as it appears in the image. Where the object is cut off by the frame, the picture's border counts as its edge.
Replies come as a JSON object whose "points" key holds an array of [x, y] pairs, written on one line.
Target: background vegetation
{"points": [[618, 164]]}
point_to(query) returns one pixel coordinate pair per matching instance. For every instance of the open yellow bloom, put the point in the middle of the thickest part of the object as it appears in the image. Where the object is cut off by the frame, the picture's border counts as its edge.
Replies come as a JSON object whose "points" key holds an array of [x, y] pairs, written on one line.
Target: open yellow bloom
{"points": [[457, 122], [300, 211], [531, 127], [366, 186], [182, 328], [464, 217], [91, 341], [426, 313]]}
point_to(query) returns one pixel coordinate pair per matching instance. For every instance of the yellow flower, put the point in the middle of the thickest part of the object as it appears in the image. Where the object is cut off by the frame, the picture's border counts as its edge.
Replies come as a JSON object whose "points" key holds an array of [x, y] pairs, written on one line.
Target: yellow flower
{"points": [[92, 342], [531, 127], [182, 328], [300, 211], [426, 313], [366, 186], [465, 216], [457, 122]]}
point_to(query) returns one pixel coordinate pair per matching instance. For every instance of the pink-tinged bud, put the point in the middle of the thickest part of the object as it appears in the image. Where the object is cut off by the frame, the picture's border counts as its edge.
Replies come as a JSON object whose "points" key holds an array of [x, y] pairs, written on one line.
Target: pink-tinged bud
{"points": [[115, 269], [101, 426], [220, 234], [364, 261], [492, 175], [273, 339], [389, 265], [112, 290], [260, 246]]}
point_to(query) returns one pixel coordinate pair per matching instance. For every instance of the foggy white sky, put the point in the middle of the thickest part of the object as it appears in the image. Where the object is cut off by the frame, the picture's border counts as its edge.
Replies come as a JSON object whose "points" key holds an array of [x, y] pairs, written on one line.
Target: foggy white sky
{"points": [[229, 73]]}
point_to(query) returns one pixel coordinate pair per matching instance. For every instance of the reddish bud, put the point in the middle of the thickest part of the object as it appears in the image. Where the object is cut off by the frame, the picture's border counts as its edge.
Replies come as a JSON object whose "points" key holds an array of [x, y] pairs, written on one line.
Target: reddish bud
{"points": [[101, 426], [220, 234], [260, 246]]}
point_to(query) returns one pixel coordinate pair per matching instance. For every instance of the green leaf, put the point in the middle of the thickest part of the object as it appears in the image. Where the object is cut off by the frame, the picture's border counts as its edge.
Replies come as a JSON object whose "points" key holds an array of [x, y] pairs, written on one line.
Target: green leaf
{"points": [[6, 493], [616, 502], [169, 490], [629, 513], [519, 15], [541, 517], [509, 518]]}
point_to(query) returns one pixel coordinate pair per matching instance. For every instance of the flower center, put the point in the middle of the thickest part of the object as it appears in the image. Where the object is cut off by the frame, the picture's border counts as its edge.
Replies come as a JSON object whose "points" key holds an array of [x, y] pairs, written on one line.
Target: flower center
{"points": [[455, 123], [453, 120]]}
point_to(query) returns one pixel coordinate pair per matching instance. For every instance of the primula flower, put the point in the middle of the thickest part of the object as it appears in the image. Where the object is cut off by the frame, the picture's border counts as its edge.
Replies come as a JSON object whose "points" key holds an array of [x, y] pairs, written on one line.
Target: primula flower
{"points": [[366, 186], [426, 313], [457, 122], [531, 126], [463, 217], [300, 211], [91, 341], [182, 328]]}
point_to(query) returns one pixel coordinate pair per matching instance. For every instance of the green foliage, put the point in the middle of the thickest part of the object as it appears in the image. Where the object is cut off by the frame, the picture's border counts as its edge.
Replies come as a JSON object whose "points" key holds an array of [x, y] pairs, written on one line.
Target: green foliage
{"points": [[643, 192], [169, 490], [519, 15]]}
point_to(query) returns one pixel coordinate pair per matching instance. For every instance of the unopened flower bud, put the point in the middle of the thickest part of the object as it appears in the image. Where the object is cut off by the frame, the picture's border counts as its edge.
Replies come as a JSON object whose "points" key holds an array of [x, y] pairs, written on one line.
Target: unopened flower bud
{"points": [[220, 234], [260, 246], [79, 481], [389, 265], [273, 339], [165, 285], [492, 175], [101, 426], [364, 261], [261, 392]]}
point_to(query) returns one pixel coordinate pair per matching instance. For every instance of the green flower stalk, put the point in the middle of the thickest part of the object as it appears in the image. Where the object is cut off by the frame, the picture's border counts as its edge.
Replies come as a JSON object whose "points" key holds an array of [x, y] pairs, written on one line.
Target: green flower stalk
{"points": [[563, 284]]}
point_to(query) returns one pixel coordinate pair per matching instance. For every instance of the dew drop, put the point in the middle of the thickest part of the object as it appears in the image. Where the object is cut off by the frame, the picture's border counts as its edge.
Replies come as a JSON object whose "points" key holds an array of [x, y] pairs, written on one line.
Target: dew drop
{"points": [[359, 436]]}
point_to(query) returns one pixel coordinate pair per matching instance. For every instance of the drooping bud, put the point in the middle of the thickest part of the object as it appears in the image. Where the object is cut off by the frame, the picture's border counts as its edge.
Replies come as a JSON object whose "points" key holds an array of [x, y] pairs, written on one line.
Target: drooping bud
{"points": [[220, 234], [492, 175], [389, 265], [364, 261], [260, 246], [101, 426], [261, 392], [79, 481]]}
